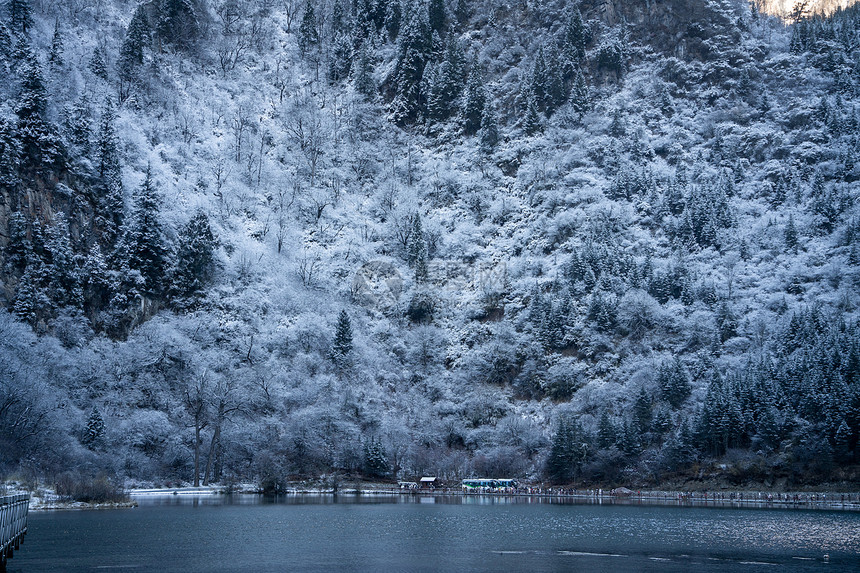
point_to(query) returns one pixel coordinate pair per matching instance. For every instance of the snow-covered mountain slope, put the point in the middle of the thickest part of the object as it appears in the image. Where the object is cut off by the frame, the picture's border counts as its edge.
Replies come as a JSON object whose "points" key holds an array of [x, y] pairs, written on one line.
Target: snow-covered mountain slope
{"points": [[288, 238]]}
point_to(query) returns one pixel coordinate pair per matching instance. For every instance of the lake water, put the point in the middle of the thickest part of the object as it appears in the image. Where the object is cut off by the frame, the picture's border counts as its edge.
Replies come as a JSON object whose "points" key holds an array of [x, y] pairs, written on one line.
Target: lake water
{"points": [[406, 533]]}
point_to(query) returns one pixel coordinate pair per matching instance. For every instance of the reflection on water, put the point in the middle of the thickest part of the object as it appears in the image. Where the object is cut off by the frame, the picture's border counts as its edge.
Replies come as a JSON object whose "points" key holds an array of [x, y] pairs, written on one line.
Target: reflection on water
{"points": [[434, 533]]}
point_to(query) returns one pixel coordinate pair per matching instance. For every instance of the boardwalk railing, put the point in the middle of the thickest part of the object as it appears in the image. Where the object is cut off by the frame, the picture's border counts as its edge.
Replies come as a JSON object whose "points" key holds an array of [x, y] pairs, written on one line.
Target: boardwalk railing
{"points": [[13, 525]]}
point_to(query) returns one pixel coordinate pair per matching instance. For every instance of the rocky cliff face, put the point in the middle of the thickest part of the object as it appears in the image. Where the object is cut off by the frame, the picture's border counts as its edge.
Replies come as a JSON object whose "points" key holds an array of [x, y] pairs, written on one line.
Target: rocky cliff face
{"points": [[683, 28], [790, 9]]}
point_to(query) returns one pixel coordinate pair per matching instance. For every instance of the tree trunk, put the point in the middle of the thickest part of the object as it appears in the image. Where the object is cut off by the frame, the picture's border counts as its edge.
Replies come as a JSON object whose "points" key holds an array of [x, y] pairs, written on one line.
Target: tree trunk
{"points": [[216, 434], [213, 448], [196, 455]]}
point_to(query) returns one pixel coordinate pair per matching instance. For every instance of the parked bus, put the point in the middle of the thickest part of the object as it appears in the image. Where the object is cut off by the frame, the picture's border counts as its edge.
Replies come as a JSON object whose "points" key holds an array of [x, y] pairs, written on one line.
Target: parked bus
{"points": [[475, 485]]}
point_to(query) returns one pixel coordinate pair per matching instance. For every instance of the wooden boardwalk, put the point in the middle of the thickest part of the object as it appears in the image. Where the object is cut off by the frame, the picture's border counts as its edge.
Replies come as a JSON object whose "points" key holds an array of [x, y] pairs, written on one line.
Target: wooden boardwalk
{"points": [[13, 525]]}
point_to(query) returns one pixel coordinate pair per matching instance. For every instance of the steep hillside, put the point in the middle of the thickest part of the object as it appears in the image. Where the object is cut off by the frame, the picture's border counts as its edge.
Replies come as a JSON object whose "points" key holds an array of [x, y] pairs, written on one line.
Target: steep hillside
{"points": [[253, 239]]}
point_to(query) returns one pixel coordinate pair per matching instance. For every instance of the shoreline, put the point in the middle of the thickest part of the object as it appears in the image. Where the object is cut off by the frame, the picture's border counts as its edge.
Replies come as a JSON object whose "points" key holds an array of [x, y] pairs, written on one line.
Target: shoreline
{"points": [[735, 499], [761, 499]]}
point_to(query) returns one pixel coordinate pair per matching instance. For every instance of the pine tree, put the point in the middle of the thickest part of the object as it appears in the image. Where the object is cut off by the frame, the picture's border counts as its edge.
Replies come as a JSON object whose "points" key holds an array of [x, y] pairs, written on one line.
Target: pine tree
{"points": [[79, 124], [438, 15], [674, 382], [413, 52], [126, 290], [842, 443], [10, 153], [537, 78], [568, 451], [32, 303], [137, 38], [489, 130], [431, 87], [33, 97], [579, 101], [63, 286], [618, 125], [95, 283], [341, 349], [727, 322], [109, 187], [40, 145], [445, 82], [19, 248], [340, 60], [642, 416], [6, 43], [375, 460], [194, 260], [607, 435], [612, 54], [531, 122], [55, 57], [177, 23], [393, 19], [144, 238], [416, 249], [462, 12], [574, 40], [553, 87], [308, 33], [474, 100], [95, 430], [339, 20], [20, 16], [363, 81], [791, 240], [97, 64]]}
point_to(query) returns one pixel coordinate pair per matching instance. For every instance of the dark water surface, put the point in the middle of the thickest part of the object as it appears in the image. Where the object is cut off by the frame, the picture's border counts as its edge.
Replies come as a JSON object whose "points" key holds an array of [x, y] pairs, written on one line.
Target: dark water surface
{"points": [[321, 533]]}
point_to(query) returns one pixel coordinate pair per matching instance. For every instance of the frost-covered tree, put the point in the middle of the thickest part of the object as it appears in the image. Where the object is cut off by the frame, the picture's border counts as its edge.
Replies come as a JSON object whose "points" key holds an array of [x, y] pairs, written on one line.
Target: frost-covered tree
{"points": [[375, 459], [309, 37], [137, 39], [642, 412], [143, 237], [109, 184], [340, 60], [10, 152], [416, 249], [438, 15], [40, 147], [462, 11], [177, 23], [489, 131], [95, 429], [20, 16], [474, 100], [55, 56], [579, 101], [413, 53], [674, 382], [363, 74], [569, 450], [19, 248], [444, 82], [63, 272], [574, 40], [32, 301], [79, 125], [790, 235], [96, 284], [97, 64], [193, 261], [531, 121], [341, 349]]}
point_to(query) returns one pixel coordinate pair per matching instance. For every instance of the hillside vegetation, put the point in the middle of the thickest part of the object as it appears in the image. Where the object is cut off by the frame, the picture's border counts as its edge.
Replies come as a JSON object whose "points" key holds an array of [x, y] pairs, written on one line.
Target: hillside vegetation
{"points": [[603, 243]]}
